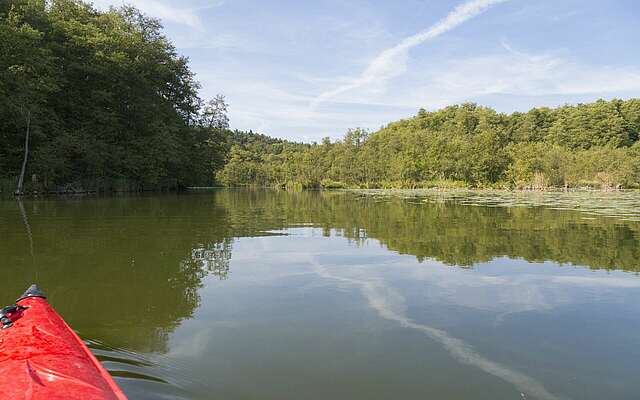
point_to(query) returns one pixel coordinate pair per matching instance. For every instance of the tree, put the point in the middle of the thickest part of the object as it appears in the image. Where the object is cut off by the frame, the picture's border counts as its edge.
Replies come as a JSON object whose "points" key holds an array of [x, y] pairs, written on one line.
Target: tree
{"points": [[26, 66], [214, 115], [585, 145], [97, 100]]}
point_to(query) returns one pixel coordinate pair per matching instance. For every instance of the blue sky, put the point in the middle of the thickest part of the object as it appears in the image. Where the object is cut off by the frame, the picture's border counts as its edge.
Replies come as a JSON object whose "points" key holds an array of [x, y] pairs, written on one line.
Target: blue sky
{"points": [[304, 70]]}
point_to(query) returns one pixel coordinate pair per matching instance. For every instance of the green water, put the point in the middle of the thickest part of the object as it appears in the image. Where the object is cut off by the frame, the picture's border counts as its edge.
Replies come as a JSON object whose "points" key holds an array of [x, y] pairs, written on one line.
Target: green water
{"points": [[239, 294]]}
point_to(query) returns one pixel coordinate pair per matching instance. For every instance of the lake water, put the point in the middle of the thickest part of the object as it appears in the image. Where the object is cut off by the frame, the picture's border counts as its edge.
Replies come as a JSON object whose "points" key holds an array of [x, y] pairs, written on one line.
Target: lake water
{"points": [[237, 294]]}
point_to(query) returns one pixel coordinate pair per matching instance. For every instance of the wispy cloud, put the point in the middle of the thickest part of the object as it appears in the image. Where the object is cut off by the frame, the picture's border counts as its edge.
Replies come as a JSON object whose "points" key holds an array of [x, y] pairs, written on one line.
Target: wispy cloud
{"points": [[277, 64], [507, 79], [390, 304], [392, 62], [167, 12], [597, 282], [518, 74]]}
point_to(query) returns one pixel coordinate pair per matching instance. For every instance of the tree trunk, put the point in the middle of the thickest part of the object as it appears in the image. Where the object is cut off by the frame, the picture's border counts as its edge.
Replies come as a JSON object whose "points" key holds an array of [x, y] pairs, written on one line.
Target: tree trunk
{"points": [[26, 155]]}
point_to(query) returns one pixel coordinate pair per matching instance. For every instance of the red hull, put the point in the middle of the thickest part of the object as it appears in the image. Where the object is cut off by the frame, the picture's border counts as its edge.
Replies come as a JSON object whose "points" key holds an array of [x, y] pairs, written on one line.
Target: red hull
{"points": [[42, 358]]}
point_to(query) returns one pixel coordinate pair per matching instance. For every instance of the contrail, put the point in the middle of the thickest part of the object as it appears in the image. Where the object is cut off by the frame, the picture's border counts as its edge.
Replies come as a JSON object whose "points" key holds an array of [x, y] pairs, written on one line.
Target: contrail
{"points": [[392, 62], [390, 305]]}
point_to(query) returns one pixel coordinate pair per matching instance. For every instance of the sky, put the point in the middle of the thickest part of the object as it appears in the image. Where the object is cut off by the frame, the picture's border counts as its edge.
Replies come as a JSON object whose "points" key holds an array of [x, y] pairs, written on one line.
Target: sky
{"points": [[304, 70]]}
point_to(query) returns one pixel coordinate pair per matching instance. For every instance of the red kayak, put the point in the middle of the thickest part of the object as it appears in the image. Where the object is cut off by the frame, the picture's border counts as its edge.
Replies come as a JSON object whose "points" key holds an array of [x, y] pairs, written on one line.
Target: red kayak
{"points": [[42, 358]]}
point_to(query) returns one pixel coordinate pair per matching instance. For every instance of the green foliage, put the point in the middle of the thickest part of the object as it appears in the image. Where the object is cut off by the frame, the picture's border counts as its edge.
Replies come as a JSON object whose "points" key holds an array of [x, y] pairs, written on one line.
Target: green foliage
{"points": [[537, 165], [110, 99], [329, 184], [541, 165], [597, 124], [466, 145], [112, 106], [243, 168]]}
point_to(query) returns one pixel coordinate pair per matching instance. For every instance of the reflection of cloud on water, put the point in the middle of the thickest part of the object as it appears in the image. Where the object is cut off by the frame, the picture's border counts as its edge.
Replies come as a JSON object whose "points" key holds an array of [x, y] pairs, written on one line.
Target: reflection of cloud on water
{"points": [[390, 305], [507, 294], [196, 345], [502, 287], [599, 281]]}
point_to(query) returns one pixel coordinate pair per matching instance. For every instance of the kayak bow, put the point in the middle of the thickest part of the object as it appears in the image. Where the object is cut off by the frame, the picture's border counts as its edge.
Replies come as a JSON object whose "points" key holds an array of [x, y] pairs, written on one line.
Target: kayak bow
{"points": [[42, 358]]}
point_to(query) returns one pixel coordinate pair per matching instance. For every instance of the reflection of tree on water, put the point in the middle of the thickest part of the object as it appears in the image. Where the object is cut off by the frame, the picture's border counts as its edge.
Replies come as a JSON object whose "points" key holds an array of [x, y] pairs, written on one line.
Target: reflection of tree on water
{"points": [[27, 226], [126, 270], [448, 232], [118, 269], [213, 258]]}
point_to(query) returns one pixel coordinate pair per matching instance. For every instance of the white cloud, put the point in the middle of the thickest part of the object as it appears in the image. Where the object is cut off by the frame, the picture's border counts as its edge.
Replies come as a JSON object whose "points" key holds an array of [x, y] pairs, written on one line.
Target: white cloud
{"points": [[267, 64], [281, 108], [516, 73], [507, 80], [165, 11], [597, 281], [392, 62]]}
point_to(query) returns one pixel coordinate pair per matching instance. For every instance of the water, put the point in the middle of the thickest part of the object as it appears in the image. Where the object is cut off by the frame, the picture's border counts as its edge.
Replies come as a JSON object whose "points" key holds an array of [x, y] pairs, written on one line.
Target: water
{"points": [[270, 295]]}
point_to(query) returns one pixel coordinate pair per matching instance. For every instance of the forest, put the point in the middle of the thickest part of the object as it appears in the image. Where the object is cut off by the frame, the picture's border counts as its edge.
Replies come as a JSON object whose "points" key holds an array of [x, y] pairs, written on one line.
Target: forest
{"points": [[583, 146], [101, 101]]}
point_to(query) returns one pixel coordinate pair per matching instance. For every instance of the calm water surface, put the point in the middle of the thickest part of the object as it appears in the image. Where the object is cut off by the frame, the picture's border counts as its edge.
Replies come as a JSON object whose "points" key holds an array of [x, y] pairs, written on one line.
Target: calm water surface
{"points": [[273, 295]]}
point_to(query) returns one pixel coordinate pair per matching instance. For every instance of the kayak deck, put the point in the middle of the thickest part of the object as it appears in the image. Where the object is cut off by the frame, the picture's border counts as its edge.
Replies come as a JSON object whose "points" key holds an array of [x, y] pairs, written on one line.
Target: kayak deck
{"points": [[42, 358]]}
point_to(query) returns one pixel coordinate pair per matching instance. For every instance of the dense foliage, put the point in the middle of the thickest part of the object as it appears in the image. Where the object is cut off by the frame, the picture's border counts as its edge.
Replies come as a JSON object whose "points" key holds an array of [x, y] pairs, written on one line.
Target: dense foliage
{"points": [[102, 101], [594, 145], [109, 102]]}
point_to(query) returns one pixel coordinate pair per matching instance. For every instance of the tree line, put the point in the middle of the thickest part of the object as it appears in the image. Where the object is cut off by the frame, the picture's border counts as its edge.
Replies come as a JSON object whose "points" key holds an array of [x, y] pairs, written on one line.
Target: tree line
{"points": [[587, 145], [100, 100]]}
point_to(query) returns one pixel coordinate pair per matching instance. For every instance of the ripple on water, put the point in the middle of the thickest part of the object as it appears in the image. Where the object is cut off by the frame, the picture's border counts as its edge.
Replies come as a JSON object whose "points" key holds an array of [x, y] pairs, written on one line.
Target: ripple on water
{"points": [[143, 376]]}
